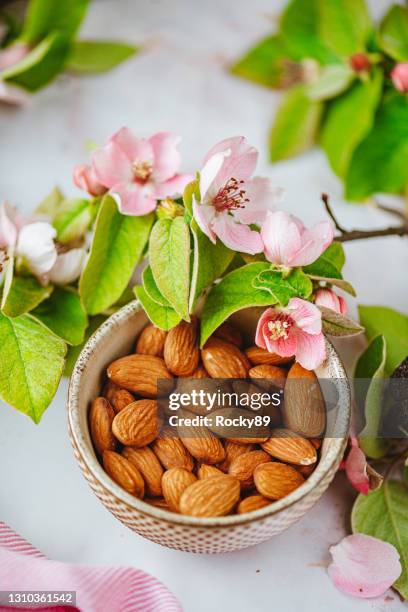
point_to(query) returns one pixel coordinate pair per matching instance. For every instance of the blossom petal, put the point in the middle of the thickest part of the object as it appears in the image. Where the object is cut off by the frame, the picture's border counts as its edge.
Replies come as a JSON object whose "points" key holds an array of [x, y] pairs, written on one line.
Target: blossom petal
{"points": [[364, 566], [266, 316], [209, 183], [262, 196], [356, 470], [204, 216], [13, 54], [330, 299], [306, 315], [10, 94], [111, 165], [134, 199], [8, 226], [236, 236], [135, 149], [242, 158], [36, 245], [85, 178], [281, 238], [310, 350], [166, 157], [68, 267], [314, 242], [285, 347], [173, 187]]}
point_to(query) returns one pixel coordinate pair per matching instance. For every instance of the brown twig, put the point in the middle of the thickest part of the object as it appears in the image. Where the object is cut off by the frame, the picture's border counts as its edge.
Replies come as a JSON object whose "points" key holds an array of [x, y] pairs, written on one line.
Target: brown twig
{"points": [[347, 236], [391, 211]]}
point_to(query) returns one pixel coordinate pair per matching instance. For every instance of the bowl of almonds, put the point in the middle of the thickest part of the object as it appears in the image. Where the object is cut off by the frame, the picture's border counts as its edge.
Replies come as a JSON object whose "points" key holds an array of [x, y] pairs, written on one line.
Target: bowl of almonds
{"points": [[189, 477]]}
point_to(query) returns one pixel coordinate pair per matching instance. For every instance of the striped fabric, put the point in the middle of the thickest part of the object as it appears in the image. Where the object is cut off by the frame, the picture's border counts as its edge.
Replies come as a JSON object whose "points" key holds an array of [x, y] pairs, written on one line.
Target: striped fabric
{"points": [[122, 589]]}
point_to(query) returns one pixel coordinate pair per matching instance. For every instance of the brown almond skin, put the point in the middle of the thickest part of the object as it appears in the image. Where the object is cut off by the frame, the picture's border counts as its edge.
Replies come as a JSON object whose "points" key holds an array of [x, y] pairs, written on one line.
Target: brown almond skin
{"points": [[208, 471], [290, 447], [200, 372], [101, 417], [174, 482], [251, 503], [243, 467], [181, 352], [148, 465], [305, 470], [139, 374], [303, 409], [158, 502], [268, 376], [124, 473], [229, 333], [215, 496], [260, 356], [233, 450], [117, 397], [137, 424], [276, 480], [247, 440], [224, 360], [201, 442], [171, 452], [151, 341]]}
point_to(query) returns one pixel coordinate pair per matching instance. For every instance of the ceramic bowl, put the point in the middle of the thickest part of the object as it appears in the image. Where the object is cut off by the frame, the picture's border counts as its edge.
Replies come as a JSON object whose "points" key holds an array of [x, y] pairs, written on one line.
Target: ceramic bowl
{"points": [[116, 338]]}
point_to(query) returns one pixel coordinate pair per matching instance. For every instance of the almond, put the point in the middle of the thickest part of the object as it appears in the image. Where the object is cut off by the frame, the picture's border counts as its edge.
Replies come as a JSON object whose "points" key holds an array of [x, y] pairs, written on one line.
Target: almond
{"points": [[148, 465], [124, 473], [151, 341], [251, 503], [276, 480], [171, 451], [247, 440], [101, 418], [317, 442], [260, 356], [207, 471], [137, 424], [201, 443], [215, 496], [268, 376], [117, 397], [243, 467], [139, 373], [206, 385], [174, 482], [305, 470], [304, 410], [233, 450], [181, 352], [224, 360], [289, 447], [229, 333], [158, 502], [200, 372]]}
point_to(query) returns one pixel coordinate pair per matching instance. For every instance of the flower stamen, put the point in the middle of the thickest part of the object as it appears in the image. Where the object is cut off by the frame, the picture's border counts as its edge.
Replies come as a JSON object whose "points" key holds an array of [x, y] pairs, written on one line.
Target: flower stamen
{"points": [[142, 171], [279, 327], [231, 196]]}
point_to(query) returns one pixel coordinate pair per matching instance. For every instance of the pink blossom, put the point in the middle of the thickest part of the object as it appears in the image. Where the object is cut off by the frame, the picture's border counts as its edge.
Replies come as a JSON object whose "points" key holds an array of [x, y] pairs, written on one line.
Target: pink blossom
{"points": [[293, 330], [288, 243], [364, 566], [68, 266], [330, 299], [230, 200], [10, 94], [359, 473], [85, 178], [138, 172], [399, 76]]}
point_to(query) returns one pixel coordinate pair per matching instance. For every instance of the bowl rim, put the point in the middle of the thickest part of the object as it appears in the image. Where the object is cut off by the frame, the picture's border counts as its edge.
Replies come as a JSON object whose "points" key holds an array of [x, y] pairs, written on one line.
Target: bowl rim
{"points": [[88, 456]]}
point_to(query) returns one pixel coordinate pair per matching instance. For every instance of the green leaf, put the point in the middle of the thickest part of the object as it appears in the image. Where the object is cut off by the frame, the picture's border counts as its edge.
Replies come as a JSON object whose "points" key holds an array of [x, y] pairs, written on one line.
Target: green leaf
{"points": [[295, 124], [64, 315], [51, 203], [46, 15], [74, 351], [191, 189], [337, 282], [337, 324], [299, 29], [369, 389], [210, 261], [234, 292], [385, 148], [169, 253], [31, 364], [383, 514], [164, 317], [263, 63], [117, 246], [344, 25], [332, 81], [22, 295], [393, 325], [95, 56], [150, 287], [329, 264], [73, 219], [348, 120], [282, 289], [393, 35], [41, 65]]}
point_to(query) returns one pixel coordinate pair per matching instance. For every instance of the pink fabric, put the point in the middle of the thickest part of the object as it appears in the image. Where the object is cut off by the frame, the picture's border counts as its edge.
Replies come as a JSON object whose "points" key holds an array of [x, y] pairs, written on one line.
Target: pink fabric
{"points": [[117, 589]]}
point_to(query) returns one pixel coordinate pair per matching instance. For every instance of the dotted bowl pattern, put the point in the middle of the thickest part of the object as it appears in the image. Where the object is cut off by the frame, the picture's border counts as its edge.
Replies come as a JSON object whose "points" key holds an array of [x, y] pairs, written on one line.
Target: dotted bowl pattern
{"points": [[218, 535]]}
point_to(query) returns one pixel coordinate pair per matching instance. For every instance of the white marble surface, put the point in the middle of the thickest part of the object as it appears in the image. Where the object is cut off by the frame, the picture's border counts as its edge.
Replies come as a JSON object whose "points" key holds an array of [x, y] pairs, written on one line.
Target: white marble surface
{"points": [[179, 83]]}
